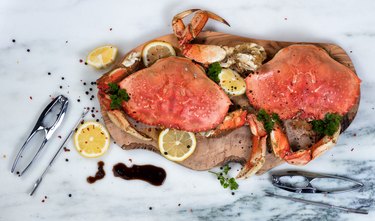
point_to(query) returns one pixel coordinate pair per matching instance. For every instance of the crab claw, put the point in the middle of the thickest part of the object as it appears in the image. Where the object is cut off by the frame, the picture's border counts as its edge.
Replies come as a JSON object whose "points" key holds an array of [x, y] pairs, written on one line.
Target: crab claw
{"points": [[282, 149], [232, 121], [257, 158], [324, 144], [187, 34], [258, 152], [204, 54]]}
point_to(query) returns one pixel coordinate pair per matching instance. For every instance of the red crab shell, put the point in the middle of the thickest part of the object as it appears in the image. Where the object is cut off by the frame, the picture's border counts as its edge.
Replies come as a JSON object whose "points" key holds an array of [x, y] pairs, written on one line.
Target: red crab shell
{"points": [[303, 81], [175, 93]]}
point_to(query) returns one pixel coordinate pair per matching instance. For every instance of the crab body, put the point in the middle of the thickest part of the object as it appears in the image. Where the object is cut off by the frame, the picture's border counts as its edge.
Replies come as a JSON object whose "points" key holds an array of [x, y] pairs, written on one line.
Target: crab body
{"points": [[303, 81], [175, 93]]}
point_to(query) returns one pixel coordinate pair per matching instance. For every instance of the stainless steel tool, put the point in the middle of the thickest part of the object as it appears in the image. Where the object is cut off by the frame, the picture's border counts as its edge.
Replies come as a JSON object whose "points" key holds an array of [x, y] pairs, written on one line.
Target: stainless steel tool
{"points": [[47, 130], [321, 204], [39, 180], [307, 186]]}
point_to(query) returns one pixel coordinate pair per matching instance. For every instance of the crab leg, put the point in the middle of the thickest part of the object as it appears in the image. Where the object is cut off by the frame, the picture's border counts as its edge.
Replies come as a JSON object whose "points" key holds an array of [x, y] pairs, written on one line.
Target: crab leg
{"points": [[232, 121], [258, 152], [282, 149], [204, 54]]}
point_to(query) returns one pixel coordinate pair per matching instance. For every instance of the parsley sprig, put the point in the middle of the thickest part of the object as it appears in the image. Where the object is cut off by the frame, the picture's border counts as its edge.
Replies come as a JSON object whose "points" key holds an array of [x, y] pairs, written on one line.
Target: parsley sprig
{"points": [[213, 71], [117, 95], [268, 120], [328, 125], [224, 179]]}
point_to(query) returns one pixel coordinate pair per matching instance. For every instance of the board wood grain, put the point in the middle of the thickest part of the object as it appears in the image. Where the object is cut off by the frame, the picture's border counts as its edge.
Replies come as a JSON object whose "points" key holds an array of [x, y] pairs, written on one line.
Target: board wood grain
{"points": [[236, 145]]}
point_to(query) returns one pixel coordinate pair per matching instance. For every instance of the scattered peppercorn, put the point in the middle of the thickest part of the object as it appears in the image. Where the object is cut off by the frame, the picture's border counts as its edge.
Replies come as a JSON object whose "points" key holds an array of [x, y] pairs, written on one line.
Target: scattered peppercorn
{"points": [[70, 195], [49, 73], [78, 100], [28, 50], [62, 78], [80, 60], [60, 87], [150, 208], [66, 160], [87, 92]]}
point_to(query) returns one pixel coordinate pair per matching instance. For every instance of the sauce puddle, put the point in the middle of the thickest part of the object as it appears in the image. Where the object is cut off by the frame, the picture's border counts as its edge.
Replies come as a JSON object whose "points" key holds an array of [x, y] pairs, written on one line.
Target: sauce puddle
{"points": [[149, 173], [99, 175]]}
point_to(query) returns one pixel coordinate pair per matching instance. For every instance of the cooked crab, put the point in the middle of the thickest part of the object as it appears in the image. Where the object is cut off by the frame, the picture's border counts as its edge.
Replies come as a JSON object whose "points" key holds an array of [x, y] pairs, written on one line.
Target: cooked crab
{"points": [[301, 82], [175, 92]]}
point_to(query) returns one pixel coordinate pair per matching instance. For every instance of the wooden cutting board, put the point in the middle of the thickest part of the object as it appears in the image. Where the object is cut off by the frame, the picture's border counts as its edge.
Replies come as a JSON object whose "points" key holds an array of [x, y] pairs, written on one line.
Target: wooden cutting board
{"points": [[235, 146]]}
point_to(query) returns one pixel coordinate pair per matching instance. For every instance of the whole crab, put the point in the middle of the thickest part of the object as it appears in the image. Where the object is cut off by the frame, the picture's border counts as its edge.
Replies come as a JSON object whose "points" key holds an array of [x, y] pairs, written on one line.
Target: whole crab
{"points": [[301, 83]]}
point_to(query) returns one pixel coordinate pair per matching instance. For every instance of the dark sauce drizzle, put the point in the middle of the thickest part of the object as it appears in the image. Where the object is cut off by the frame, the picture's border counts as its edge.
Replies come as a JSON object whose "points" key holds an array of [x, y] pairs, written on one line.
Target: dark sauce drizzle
{"points": [[149, 173], [99, 175]]}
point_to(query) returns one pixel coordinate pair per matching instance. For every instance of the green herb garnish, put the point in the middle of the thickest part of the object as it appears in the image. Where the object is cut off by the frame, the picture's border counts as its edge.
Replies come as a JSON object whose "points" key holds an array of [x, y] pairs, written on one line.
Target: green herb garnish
{"points": [[113, 88], [327, 126], [226, 181], [213, 71], [267, 120], [117, 95]]}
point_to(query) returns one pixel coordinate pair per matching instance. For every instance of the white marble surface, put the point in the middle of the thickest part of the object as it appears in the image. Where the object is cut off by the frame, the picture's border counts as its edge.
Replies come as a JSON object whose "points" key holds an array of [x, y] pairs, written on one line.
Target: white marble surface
{"points": [[60, 33]]}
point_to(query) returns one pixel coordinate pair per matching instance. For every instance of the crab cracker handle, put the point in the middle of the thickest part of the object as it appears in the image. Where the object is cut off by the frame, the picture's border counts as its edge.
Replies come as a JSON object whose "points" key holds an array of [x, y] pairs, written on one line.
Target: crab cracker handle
{"points": [[39, 126]]}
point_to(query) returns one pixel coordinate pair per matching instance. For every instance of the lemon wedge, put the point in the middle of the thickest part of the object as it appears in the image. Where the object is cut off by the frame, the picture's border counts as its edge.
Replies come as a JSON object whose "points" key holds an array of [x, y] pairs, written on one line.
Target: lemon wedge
{"points": [[91, 139], [176, 145], [231, 82], [155, 50], [102, 57]]}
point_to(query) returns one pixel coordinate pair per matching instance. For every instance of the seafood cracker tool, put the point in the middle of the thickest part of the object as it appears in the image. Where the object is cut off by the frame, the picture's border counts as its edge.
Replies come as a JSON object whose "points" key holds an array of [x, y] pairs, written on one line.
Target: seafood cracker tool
{"points": [[320, 204], [308, 187], [39, 180], [47, 130]]}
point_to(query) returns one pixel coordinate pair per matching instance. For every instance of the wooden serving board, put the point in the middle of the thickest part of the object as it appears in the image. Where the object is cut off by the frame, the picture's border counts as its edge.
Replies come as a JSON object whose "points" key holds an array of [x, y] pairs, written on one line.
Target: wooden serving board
{"points": [[235, 146]]}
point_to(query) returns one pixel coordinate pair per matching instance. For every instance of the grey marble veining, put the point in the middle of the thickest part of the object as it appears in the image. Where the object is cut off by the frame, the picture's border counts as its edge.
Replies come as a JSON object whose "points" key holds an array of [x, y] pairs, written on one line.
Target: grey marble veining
{"points": [[60, 33]]}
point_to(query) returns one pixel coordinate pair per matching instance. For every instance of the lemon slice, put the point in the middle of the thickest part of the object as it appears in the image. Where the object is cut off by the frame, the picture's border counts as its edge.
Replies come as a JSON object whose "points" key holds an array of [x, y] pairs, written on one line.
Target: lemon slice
{"points": [[102, 57], [91, 139], [156, 50], [176, 145], [231, 82]]}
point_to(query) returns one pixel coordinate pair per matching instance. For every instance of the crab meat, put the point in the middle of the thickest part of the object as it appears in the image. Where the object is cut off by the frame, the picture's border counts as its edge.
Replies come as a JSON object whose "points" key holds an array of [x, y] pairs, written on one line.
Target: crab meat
{"points": [[244, 57], [175, 93]]}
